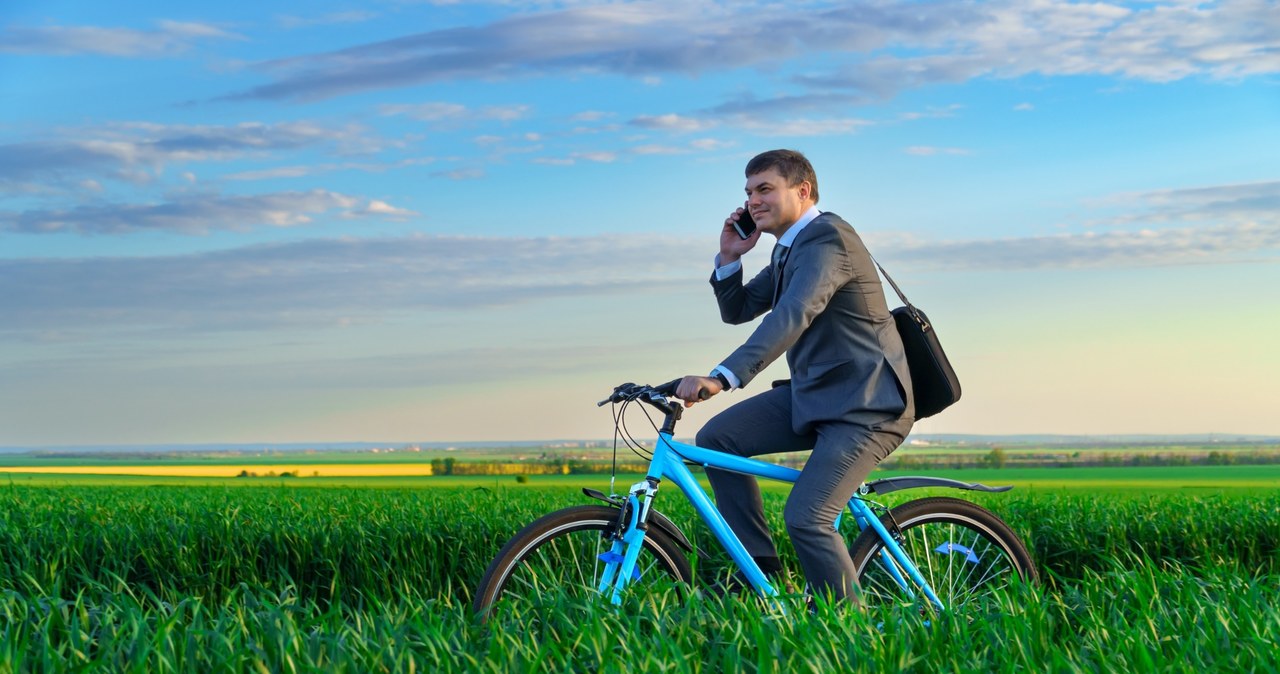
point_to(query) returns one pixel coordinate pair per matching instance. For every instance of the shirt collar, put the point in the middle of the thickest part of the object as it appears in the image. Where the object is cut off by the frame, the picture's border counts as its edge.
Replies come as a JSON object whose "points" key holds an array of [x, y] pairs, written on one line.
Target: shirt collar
{"points": [[788, 237]]}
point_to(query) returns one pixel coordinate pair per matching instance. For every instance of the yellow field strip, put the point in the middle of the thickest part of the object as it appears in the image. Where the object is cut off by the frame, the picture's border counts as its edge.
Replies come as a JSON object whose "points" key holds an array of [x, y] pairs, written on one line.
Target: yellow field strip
{"points": [[301, 470]]}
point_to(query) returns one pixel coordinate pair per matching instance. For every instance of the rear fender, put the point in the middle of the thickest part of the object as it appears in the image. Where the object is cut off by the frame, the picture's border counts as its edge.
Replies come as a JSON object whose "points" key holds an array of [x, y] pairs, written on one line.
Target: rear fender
{"points": [[892, 484]]}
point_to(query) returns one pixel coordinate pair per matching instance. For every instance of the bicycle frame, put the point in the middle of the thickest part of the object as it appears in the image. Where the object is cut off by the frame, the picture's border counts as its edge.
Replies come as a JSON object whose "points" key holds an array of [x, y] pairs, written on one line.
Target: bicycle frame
{"points": [[668, 460]]}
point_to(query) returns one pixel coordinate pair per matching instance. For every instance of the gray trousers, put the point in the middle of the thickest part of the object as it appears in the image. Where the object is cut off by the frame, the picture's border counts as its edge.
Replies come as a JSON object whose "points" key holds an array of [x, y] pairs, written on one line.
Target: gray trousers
{"points": [[844, 454]]}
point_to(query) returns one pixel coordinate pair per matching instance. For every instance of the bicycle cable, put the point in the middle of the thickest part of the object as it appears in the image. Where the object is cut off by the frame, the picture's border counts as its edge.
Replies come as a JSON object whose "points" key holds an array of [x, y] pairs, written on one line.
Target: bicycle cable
{"points": [[613, 471], [656, 430]]}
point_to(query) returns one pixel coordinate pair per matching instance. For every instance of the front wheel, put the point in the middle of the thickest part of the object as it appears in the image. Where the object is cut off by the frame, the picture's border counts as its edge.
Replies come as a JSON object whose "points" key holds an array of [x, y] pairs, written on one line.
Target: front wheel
{"points": [[556, 561], [966, 554]]}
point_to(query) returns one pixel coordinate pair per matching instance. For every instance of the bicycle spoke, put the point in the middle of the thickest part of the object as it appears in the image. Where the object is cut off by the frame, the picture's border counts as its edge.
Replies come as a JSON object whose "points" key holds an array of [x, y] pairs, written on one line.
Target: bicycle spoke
{"points": [[976, 569]]}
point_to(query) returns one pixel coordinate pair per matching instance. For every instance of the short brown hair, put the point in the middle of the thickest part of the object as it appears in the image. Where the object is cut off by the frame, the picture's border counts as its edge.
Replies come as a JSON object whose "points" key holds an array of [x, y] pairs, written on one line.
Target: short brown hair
{"points": [[791, 165]]}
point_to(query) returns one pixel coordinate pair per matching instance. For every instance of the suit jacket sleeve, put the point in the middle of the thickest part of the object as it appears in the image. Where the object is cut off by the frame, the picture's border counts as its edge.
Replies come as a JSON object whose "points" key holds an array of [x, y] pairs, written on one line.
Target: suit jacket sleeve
{"points": [[741, 303], [816, 268]]}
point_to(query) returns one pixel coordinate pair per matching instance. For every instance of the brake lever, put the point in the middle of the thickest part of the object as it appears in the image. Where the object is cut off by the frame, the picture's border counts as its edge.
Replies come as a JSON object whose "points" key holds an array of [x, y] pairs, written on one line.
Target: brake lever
{"points": [[617, 390]]}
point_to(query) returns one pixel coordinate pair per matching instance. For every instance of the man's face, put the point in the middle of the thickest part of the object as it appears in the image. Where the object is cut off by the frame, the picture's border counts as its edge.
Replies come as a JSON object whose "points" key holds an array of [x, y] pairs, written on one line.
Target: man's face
{"points": [[774, 205]]}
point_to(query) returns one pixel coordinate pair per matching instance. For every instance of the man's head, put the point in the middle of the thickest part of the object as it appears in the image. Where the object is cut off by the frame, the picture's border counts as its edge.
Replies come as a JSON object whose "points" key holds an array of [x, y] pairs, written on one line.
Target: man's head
{"points": [[781, 186]]}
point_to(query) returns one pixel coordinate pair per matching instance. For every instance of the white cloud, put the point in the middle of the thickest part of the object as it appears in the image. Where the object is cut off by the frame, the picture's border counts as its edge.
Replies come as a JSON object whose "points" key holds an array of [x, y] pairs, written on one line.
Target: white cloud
{"points": [[1247, 204], [467, 173], [168, 38], [932, 113], [290, 21], [673, 122], [427, 112], [196, 214], [329, 167], [1234, 223], [1115, 249], [316, 283], [658, 150], [710, 144], [381, 208], [554, 161], [598, 157], [804, 127], [272, 173], [134, 151], [876, 49]]}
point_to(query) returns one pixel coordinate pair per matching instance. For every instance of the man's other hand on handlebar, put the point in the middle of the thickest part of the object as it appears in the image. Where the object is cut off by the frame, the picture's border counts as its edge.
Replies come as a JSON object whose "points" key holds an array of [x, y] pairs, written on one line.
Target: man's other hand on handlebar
{"points": [[694, 388]]}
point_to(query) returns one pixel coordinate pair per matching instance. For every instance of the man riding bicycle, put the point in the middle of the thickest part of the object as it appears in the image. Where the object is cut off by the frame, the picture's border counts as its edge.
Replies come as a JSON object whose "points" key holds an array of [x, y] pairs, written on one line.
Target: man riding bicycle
{"points": [[849, 396]]}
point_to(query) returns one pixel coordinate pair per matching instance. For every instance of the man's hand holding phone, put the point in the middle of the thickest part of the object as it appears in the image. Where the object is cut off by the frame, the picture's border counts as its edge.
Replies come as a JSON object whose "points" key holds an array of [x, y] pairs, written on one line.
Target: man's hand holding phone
{"points": [[738, 236]]}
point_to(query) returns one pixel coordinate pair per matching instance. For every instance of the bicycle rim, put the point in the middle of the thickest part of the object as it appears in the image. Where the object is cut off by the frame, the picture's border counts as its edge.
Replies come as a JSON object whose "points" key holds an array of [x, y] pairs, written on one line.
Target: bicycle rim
{"points": [[556, 565], [967, 556]]}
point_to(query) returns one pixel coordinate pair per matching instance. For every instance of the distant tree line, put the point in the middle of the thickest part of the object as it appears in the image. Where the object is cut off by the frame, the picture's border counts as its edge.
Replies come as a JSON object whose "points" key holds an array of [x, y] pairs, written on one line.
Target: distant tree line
{"points": [[997, 457]]}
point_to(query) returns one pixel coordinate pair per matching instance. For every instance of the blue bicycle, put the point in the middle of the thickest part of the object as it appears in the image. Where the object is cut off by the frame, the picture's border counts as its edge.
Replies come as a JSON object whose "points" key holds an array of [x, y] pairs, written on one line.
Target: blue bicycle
{"points": [[936, 553]]}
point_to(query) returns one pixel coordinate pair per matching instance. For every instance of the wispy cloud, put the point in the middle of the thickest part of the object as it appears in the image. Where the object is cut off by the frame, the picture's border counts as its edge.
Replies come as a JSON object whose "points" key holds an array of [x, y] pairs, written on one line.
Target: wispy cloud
{"points": [[1115, 249], [291, 21], [126, 151], [637, 39], [464, 173], [879, 48], [1238, 223], [674, 122], [1160, 42], [197, 214], [168, 38], [762, 121], [455, 112], [300, 171], [1244, 204], [322, 283], [319, 283]]}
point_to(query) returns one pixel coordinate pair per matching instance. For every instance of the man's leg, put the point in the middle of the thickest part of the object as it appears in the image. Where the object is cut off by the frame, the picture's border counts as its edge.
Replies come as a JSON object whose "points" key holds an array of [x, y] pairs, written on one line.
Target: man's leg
{"points": [[758, 425], [843, 457]]}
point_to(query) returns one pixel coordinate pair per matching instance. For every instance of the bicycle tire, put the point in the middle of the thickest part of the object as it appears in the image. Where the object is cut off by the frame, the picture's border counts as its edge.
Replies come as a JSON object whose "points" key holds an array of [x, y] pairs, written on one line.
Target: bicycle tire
{"points": [[971, 540], [557, 555]]}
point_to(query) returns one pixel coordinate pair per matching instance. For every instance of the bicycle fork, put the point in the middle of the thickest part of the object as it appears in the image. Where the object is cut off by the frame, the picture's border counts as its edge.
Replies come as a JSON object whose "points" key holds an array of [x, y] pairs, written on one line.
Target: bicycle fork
{"points": [[628, 540]]}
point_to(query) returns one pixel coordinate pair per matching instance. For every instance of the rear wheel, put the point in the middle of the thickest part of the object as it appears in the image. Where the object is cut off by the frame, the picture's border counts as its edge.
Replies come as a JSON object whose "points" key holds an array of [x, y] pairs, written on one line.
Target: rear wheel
{"points": [[966, 554], [556, 561]]}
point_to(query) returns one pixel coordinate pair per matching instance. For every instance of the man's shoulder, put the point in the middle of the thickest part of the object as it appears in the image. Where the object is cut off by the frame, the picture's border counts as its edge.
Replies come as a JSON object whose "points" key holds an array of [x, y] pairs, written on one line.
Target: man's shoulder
{"points": [[827, 226]]}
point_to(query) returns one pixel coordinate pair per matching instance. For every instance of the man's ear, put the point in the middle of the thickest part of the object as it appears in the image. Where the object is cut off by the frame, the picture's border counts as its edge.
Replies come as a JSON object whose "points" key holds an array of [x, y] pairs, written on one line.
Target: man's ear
{"points": [[806, 190]]}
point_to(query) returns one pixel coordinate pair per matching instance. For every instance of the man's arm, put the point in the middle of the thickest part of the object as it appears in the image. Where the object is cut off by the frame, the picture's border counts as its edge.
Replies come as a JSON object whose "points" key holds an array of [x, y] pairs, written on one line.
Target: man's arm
{"points": [[818, 266], [742, 303]]}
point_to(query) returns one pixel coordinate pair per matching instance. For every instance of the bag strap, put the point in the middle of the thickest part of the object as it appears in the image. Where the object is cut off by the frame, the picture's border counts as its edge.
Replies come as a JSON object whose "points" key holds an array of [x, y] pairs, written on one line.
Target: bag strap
{"points": [[915, 314]]}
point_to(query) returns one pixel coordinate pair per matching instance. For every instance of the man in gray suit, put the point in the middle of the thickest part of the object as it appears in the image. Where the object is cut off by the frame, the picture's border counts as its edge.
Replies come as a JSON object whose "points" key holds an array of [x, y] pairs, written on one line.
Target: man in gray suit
{"points": [[849, 396]]}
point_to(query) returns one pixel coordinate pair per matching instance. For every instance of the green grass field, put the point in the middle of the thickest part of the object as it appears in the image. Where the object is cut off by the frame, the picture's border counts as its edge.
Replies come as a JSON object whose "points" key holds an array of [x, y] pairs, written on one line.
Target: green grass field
{"points": [[1227, 479], [1171, 570]]}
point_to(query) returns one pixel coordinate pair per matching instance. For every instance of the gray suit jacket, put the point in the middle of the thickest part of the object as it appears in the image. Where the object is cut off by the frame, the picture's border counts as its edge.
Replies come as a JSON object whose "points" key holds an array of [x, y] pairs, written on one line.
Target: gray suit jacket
{"points": [[846, 358]]}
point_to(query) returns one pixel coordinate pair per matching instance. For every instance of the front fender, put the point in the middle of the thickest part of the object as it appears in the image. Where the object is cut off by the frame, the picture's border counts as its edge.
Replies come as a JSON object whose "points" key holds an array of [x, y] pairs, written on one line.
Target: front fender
{"points": [[657, 519]]}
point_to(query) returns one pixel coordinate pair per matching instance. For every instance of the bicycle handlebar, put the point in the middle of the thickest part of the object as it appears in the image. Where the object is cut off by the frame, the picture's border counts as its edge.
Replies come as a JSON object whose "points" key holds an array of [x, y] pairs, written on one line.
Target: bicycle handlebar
{"points": [[654, 395]]}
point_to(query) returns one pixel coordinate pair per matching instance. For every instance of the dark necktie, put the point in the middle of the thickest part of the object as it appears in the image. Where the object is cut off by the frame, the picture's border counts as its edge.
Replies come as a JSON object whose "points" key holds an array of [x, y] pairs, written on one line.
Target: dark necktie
{"points": [[779, 261], [779, 251]]}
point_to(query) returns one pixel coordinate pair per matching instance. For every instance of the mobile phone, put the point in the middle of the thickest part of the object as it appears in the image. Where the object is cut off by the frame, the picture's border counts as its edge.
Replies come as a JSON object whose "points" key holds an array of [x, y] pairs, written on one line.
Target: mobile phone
{"points": [[745, 225]]}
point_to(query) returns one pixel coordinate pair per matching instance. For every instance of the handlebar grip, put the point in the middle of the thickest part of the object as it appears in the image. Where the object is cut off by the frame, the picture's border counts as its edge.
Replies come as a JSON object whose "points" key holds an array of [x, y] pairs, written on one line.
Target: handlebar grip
{"points": [[669, 388]]}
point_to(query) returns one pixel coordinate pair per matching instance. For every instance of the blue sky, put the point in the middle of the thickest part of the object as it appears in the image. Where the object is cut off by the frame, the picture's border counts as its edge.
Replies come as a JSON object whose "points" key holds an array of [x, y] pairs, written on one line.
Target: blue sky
{"points": [[434, 221]]}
